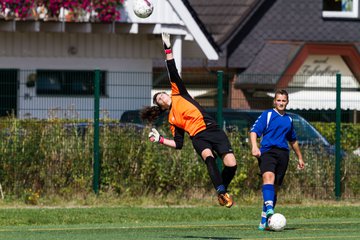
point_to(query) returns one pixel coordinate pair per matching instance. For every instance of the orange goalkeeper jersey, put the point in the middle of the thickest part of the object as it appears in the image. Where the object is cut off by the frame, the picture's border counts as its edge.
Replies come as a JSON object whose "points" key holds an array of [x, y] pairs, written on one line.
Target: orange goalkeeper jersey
{"points": [[185, 114]]}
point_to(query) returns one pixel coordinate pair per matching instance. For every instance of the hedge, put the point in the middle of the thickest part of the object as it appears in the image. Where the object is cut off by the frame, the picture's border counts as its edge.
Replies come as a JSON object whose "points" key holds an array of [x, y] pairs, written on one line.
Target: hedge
{"points": [[41, 159]]}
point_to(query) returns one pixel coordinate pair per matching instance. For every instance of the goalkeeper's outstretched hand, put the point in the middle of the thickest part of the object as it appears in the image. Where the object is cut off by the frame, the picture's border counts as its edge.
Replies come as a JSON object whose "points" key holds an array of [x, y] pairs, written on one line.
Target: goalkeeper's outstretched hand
{"points": [[154, 136], [166, 40]]}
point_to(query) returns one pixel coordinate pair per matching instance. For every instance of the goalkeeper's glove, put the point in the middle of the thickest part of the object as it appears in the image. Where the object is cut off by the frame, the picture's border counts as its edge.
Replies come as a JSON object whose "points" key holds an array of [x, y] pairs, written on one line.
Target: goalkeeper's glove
{"points": [[166, 42], [155, 136]]}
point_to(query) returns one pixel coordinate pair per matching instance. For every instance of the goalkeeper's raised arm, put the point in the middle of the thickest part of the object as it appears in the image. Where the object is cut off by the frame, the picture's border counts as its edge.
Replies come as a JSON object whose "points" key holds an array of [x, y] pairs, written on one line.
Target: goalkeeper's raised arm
{"points": [[177, 85], [167, 46]]}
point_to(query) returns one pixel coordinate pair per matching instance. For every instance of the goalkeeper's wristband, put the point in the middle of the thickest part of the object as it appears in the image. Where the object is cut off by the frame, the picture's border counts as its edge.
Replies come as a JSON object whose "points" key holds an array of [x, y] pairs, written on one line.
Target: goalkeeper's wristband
{"points": [[168, 51], [161, 139], [166, 47]]}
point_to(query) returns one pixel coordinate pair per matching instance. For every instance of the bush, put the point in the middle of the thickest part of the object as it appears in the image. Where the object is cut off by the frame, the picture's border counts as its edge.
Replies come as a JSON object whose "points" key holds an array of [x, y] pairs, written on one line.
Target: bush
{"points": [[54, 158], [350, 133]]}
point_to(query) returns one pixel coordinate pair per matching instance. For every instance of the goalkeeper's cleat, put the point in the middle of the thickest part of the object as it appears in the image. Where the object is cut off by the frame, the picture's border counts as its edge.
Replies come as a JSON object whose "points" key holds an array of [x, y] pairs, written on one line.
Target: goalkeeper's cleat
{"points": [[269, 212], [264, 226], [225, 200]]}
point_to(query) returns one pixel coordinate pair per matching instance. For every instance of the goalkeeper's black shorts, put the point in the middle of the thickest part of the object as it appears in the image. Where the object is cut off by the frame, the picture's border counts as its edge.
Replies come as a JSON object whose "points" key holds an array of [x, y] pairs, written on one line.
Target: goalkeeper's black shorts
{"points": [[214, 139]]}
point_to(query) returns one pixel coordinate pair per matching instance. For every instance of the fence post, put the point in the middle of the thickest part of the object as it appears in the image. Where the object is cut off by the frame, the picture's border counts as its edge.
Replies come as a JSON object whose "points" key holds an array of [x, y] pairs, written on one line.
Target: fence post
{"points": [[96, 163], [337, 139], [220, 119]]}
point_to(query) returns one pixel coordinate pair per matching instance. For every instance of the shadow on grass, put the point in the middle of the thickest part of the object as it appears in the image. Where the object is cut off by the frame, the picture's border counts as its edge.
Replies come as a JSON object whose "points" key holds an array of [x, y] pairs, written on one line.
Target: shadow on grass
{"points": [[290, 229], [285, 230], [213, 238]]}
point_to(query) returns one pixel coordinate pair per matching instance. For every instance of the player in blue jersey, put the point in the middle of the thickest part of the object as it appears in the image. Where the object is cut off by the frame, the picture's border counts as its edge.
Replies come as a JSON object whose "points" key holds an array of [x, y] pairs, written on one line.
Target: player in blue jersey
{"points": [[277, 132]]}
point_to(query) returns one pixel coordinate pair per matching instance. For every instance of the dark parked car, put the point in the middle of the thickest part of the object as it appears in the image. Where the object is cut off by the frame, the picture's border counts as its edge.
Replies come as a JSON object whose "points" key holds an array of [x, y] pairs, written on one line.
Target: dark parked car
{"points": [[242, 120]]}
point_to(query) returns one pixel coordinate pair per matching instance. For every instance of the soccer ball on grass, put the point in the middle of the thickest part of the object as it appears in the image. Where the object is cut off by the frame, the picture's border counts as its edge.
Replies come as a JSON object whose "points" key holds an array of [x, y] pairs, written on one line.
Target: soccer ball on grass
{"points": [[143, 8], [277, 222]]}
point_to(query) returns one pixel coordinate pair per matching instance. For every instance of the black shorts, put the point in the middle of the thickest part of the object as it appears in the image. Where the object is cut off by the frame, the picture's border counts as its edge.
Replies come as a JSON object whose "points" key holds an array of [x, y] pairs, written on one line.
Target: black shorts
{"points": [[214, 139], [275, 160]]}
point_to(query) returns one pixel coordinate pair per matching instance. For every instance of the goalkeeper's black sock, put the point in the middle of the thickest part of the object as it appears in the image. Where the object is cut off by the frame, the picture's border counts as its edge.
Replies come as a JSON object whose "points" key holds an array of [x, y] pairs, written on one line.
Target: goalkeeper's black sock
{"points": [[228, 174], [215, 174]]}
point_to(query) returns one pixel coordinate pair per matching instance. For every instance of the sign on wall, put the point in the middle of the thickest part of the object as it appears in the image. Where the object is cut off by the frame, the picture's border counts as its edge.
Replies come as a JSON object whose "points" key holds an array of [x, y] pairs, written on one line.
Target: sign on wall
{"points": [[320, 71]]}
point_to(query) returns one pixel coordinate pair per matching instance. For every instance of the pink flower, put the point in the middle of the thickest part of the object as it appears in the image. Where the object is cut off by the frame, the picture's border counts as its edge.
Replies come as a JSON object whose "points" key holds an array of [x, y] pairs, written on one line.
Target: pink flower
{"points": [[21, 8], [107, 10]]}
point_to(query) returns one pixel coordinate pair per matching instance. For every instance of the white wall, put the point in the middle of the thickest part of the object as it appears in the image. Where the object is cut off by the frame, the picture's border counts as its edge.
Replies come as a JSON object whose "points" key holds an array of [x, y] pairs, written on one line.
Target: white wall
{"points": [[88, 45], [123, 56], [126, 88]]}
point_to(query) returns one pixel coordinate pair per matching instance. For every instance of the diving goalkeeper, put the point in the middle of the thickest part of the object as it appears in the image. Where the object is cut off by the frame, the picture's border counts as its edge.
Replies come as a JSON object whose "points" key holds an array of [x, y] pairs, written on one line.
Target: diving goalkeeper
{"points": [[186, 115]]}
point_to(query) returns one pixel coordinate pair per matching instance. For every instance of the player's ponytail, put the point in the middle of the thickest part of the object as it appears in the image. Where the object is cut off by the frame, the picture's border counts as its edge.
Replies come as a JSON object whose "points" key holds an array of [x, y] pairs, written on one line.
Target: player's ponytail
{"points": [[150, 113]]}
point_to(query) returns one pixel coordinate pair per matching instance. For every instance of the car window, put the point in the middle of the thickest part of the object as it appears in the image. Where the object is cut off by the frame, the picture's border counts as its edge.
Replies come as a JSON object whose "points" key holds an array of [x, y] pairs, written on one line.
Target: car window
{"points": [[305, 132], [132, 116], [242, 120], [237, 121]]}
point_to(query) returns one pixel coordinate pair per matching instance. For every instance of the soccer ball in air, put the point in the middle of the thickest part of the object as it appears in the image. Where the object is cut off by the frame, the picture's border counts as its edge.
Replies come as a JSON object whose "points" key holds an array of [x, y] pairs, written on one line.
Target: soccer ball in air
{"points": [[277, 222], [143, 8]]}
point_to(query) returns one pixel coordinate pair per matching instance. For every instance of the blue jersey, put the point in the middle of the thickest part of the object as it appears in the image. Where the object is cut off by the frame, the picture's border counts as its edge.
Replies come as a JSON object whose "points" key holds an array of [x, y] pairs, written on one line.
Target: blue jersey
{"points": [[275, 129]]}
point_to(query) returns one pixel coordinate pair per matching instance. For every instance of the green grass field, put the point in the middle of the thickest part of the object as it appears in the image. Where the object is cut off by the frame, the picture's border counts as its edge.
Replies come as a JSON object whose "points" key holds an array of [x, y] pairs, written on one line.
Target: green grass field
{"points": [[333, 221]]}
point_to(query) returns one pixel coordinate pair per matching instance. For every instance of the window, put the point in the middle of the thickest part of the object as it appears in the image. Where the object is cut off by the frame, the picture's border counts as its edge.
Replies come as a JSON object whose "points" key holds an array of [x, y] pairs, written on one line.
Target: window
{"points": [[68, 82], [340, 8], [8, 91]]}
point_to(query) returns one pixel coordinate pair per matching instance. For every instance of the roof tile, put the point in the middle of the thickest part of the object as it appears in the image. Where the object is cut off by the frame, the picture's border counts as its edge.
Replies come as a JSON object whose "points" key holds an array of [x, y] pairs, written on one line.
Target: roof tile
{"points": [[295, 20]]}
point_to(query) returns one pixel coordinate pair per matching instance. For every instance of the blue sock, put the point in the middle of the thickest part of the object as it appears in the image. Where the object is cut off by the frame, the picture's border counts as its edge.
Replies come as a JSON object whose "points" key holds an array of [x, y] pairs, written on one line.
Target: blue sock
{"points": [[268, 191], [263, 215]]}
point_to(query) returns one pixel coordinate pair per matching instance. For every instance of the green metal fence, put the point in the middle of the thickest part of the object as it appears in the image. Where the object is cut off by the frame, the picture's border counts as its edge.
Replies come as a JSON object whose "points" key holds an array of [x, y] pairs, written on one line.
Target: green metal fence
{"points": [[60, 130]]}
